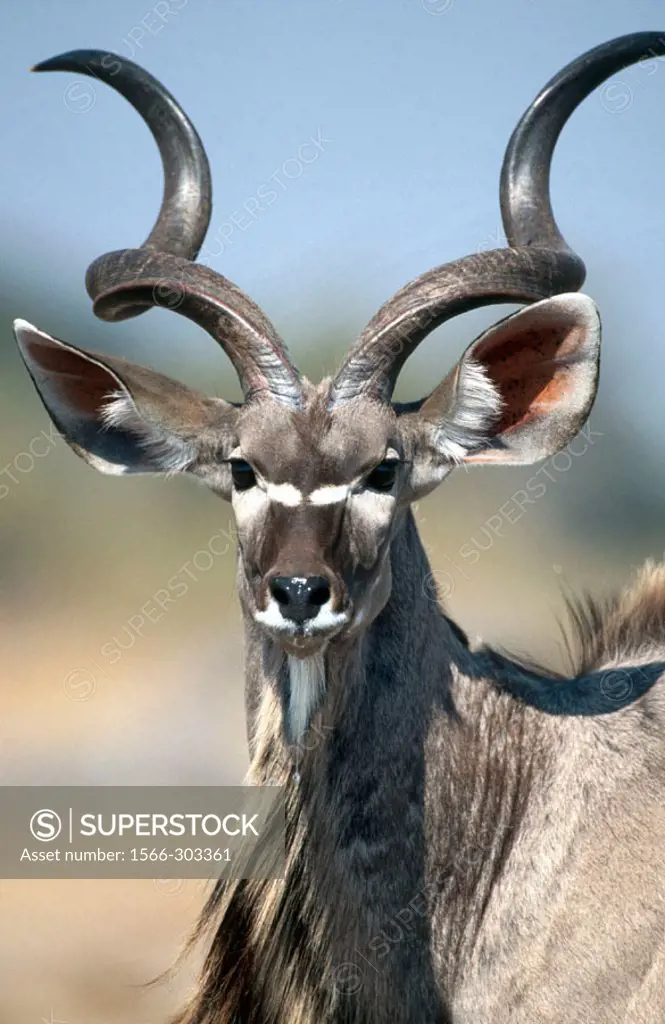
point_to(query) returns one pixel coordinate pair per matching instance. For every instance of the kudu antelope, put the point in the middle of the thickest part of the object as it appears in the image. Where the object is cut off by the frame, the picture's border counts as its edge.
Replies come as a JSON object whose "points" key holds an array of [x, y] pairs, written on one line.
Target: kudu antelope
{"points": [[469, 840]]}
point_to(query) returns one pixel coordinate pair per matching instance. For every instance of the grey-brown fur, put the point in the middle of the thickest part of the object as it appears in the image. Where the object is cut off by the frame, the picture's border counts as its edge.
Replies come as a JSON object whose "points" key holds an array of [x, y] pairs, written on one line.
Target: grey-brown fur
{"points": [[524, 898], [469, 839]]}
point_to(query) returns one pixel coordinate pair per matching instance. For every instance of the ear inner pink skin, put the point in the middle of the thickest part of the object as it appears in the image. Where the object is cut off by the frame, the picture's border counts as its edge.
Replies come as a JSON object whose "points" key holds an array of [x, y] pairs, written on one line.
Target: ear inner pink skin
{"points": [[79, 382], [524, 368]]}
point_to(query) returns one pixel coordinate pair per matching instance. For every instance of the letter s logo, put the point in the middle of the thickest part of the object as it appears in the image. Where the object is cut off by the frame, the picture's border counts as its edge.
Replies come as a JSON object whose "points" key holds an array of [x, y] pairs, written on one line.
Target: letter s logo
{"points": [[45, 825]]}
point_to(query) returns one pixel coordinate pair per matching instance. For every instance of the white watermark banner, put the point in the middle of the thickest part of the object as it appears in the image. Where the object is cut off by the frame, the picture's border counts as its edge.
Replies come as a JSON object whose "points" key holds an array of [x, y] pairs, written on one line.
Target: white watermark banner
{"points": [[141, 832]]}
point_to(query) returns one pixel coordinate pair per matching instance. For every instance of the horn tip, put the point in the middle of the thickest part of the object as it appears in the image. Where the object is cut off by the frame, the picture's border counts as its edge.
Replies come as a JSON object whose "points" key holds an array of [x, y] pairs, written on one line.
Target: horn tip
{"points": [[50, 64], [71, 60]]}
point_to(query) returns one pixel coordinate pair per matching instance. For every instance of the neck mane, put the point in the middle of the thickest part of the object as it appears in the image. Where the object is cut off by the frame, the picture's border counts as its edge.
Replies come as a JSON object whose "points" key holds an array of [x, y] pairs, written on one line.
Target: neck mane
{"points": [[405, 790]]}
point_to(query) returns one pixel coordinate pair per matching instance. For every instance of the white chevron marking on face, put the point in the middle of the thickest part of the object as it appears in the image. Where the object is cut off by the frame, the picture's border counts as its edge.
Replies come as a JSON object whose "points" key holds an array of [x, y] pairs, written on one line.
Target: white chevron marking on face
{"points": [[284, 494], [287, 494], [328, 495]]}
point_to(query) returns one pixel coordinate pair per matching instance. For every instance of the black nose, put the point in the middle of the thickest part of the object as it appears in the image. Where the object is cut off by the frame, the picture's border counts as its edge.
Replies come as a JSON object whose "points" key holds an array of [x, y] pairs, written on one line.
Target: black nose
{"points": [[300, 597]]}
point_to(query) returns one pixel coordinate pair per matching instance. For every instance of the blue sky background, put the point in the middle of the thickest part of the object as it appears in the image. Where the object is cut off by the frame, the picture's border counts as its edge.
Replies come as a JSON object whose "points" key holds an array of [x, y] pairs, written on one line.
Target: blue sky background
{"points": [[418, 99]]}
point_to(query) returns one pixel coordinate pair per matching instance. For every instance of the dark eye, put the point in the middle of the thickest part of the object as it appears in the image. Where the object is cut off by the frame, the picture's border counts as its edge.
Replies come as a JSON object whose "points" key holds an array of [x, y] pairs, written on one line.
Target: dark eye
{"points": [[243, 475], [382, 478]]}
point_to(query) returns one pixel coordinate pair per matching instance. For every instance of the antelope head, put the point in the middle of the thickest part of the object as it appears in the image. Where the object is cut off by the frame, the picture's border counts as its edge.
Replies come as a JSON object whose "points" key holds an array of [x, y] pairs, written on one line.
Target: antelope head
{"points": [[320, 476]]}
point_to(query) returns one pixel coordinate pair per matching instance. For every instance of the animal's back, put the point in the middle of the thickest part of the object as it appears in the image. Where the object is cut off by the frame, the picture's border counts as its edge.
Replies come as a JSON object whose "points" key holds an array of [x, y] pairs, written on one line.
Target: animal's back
{"points": [[574, 929]]}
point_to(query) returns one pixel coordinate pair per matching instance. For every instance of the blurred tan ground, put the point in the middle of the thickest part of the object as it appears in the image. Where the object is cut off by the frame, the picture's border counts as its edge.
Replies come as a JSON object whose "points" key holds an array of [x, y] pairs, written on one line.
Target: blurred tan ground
{"points": [[80, 554]]}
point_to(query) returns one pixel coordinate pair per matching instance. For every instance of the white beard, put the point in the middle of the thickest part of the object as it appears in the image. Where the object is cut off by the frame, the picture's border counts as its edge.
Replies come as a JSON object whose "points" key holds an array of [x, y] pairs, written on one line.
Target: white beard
{"points": [[308, 682]]}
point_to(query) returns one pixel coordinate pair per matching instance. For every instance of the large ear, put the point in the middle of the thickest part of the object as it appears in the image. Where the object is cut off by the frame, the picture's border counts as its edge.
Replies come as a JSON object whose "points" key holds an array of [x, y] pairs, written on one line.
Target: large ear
{"points": [[124, 418], [520, 392]]}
